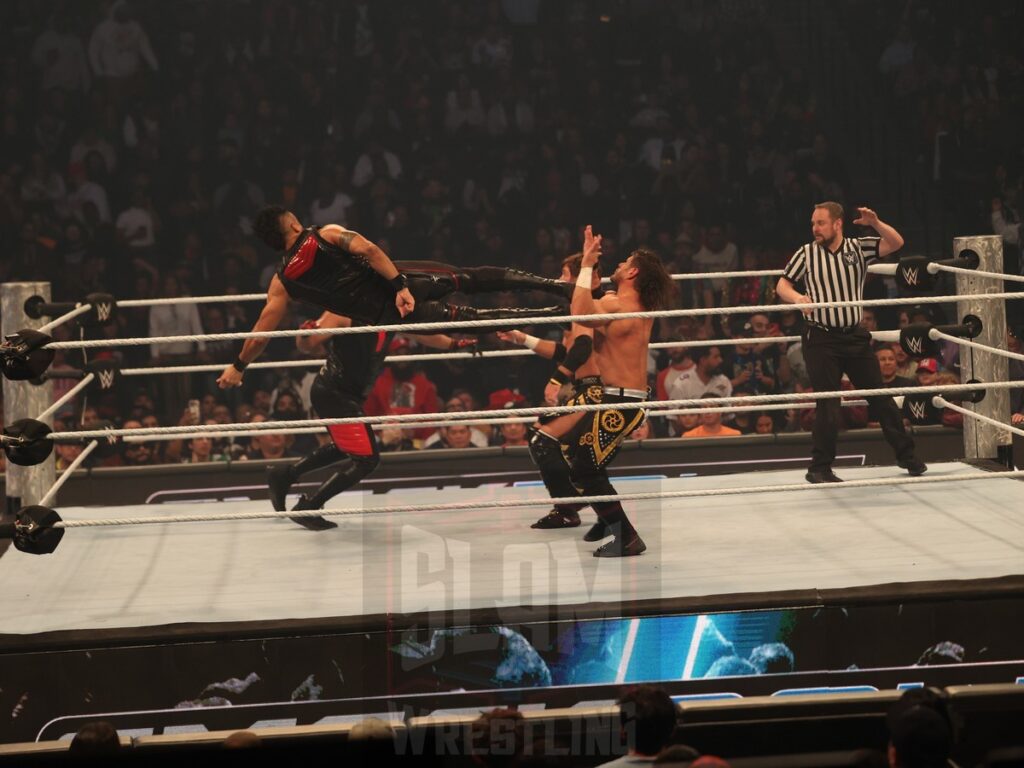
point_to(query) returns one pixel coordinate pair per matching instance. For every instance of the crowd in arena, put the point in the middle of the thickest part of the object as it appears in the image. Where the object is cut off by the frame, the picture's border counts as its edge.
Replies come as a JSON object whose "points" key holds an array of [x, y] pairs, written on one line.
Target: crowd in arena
{"points": [[139, 139]]}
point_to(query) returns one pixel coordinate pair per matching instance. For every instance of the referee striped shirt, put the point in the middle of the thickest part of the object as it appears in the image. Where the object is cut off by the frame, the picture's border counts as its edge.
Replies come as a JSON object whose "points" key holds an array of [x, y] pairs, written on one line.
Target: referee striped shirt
{"points": [[834, 277]]}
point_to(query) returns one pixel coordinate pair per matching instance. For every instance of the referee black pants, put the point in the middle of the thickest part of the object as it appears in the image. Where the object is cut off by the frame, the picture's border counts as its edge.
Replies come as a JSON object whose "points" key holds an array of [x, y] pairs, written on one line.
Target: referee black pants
{"points": [[828, 355]]}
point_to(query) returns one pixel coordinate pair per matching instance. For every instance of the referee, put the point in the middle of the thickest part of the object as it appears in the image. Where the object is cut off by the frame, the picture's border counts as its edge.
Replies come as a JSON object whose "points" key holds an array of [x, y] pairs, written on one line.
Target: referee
{"points": [[833, 268]]}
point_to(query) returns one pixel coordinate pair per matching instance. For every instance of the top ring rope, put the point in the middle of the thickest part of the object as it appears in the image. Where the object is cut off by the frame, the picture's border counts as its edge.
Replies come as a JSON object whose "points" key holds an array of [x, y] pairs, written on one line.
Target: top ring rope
{"points": [[936, 334], [498, 322], [980, 273], [81, 309], [415, 418]]}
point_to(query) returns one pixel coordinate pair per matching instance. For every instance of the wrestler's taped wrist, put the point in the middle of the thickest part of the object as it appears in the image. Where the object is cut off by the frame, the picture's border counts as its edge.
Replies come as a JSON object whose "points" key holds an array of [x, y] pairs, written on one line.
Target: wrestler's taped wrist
{"points": [[239, 365], [530, 342], [585, 278], [559, 377], [399, 282]]}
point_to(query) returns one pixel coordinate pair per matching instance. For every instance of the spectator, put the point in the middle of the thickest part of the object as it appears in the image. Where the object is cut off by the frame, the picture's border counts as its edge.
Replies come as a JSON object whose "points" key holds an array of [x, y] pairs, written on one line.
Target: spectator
{"points": [[711, 422], [717, 254], [643, 432], [117, 46], [137, 454], [919, 737], [680, 361], [764, 424], [201, 450], [95, 739], [454, 436], [59, 55], [265, 447], [496, 737], [242, 740], [888, 364], [402, 388], [174, 320], [705, 377], [647, 716]]}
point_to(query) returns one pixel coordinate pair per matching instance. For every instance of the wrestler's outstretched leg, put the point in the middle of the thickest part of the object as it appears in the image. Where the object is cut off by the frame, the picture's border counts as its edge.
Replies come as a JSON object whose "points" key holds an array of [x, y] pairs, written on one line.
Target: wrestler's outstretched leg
{"points": [[448, 278]]}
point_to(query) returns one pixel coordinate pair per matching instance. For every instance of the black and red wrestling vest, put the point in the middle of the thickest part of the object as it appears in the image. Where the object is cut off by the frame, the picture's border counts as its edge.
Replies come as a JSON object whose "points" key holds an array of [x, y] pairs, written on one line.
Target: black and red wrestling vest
{"points": [[320, 273]]}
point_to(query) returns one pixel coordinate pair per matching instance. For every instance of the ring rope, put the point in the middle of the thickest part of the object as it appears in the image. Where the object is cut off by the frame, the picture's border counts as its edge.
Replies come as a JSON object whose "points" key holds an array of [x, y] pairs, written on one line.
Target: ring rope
{"points": [[940, 402], [936, 335], [217, 435], [81, 309], [226, 298], [416, 418], [431, 356], [66, 397], [501, 322], [75, 464], [506, 503], [977, 272]]}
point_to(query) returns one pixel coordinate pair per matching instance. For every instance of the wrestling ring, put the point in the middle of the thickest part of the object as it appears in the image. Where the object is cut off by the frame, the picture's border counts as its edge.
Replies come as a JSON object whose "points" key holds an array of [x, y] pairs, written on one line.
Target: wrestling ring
{"points": [[471, 552]]}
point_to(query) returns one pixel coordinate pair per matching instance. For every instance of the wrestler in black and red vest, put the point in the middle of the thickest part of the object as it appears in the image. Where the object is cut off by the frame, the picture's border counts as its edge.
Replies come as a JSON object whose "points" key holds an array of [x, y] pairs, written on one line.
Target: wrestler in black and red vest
{"points": [[339, 391], [325, 275]]}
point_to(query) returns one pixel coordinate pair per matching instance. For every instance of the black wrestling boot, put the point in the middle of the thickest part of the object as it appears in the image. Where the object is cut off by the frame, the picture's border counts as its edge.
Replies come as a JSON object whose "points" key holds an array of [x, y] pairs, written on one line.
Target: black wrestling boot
{"points": [[598, 531], [316, 523], [914, 466], [279, 480], [825, 475], [559, 518], [515, 315], [480, 279], [627, 545]]}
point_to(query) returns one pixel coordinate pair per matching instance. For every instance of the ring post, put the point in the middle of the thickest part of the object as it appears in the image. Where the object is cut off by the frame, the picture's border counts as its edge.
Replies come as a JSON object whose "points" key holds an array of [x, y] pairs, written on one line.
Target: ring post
{"points": [[980, 440], [25, 486]]}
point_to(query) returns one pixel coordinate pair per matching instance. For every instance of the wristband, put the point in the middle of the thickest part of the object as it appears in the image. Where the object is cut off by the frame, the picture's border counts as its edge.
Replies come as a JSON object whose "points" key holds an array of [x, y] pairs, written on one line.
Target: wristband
{"points": [[399, 282], [239, 366], [585, 278], [530, 342], [558, 377]]}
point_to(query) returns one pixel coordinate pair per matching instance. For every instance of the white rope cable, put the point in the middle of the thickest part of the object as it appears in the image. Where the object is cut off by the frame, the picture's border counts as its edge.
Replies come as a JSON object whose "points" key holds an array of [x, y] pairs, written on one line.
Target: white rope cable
{"points": [[978, 272], [413, 419], [936, 335], [218, 435], [432, 356], [75, 464], [507, 503], [940, 402], [81, 309], [66, 397], [504, 322], [226, 298]]}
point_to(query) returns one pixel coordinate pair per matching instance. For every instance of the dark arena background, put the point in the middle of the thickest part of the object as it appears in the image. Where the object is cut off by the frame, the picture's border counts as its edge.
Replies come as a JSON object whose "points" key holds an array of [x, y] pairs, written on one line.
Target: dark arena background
{"points": [[776, 618]]}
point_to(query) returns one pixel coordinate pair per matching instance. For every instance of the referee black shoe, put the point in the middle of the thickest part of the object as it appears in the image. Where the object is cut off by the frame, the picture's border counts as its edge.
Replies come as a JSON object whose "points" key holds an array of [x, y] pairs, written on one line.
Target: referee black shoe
{"points": [[915, 467], [822, 476]]}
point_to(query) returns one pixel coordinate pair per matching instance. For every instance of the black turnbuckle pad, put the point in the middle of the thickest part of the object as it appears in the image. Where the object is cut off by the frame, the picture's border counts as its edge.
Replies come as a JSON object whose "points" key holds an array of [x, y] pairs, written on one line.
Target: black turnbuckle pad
{"points": [[27, 442], [970, 328], [34, 530], [24, 356], [103, 310], [919, 409], [913, 277], [916, 342], [107, 445], [968, 396], [106, 375], [968, 259], [37, 307]]}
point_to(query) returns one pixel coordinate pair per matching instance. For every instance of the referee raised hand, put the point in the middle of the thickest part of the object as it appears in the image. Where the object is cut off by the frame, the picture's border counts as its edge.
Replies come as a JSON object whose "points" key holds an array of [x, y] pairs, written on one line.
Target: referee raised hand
{"points": [[833, 269]]}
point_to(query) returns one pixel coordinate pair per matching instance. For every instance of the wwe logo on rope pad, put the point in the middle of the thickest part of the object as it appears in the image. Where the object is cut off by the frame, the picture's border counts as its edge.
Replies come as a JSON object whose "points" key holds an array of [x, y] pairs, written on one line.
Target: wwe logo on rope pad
{"points": [[106, 374], [919, 410], [914, 345], [910, 276], [103, 311]]}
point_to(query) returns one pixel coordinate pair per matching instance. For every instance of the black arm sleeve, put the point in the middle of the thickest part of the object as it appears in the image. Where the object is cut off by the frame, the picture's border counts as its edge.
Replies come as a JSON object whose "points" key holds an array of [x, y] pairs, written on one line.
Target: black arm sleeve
{"points": [[580, 352], [560, 352]]}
